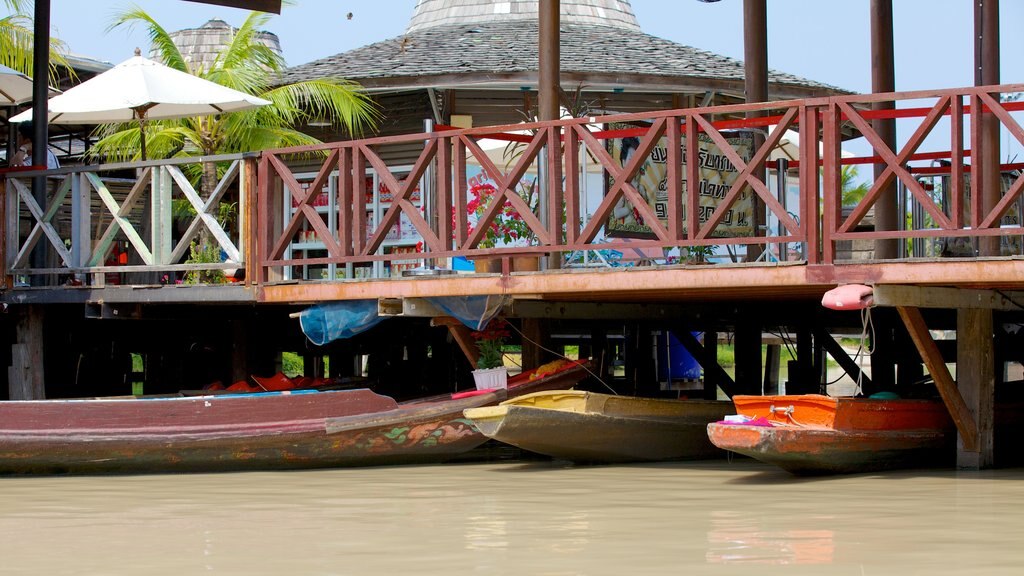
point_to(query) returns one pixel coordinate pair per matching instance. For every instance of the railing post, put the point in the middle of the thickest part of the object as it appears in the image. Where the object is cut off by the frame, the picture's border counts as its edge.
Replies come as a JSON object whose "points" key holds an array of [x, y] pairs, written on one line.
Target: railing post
{"points": [[248, 216], [262, 224], [5, 241], [809, 189], [831, 167], [555, 195], [161, 215], [81, 220]]}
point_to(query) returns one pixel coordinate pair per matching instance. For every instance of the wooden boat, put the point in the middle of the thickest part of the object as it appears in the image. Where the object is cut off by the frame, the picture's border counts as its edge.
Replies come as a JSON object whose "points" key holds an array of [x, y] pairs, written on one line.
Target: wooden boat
{"points": [[816, 434], [591, 427], [272, 430]]}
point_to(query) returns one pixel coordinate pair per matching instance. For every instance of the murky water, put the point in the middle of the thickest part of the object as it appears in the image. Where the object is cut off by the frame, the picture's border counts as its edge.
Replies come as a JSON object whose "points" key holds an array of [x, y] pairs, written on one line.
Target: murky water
{"points": [[723, 517]]}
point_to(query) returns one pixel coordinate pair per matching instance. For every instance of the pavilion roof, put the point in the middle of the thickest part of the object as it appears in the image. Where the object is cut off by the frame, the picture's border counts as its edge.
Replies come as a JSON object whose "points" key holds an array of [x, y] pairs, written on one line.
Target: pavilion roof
{"points": [[505, 53]]}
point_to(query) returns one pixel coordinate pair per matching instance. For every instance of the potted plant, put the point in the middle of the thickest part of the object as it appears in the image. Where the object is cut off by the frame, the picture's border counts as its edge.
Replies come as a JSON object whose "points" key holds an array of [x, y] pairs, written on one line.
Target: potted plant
{"points": [[490, 370], [699, 254], [508, 228]]}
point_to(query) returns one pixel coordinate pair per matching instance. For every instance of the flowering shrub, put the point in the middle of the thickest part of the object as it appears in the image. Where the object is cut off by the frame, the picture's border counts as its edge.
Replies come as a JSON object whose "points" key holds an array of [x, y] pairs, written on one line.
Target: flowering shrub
{"points": [[490, 341], [508, 226]]}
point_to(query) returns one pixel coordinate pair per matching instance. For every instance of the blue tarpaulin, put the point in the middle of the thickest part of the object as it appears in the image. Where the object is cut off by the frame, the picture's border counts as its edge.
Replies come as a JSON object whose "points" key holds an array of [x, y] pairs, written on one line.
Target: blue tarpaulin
{"points": [[473, 311], [325, 323]]}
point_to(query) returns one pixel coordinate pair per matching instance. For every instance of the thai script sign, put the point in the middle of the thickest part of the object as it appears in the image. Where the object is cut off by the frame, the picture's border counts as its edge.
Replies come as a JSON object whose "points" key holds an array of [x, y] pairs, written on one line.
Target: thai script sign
{"points": [[717, 175]]}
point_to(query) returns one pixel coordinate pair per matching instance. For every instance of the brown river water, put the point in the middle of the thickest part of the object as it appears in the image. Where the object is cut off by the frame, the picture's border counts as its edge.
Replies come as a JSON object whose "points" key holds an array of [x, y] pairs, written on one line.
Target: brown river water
{"points": [[512, 517]]}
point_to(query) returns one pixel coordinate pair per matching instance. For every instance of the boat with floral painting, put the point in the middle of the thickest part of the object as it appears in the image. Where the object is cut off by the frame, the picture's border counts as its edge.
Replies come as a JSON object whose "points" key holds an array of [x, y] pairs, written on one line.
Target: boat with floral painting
{"points": [[814, 434], [299, 428]]}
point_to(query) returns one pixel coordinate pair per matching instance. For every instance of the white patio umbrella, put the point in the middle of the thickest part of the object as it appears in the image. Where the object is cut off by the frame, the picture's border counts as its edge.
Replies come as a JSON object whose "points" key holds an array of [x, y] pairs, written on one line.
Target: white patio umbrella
{"points": [[15, 87], [141, 89]]}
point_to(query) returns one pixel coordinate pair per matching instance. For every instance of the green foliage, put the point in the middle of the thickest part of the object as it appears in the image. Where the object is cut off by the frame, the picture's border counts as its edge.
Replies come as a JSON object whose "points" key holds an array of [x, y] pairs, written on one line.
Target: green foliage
{"points": [[248, 66], [204, 254], [490, 342], [853, 192], [699, 253], [291, 364], [16, 41]]}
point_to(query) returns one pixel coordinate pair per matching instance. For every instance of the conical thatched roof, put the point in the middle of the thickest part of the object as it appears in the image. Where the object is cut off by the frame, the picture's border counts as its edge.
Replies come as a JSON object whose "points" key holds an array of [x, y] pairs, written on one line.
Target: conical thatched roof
{"points": [[430, 13]]}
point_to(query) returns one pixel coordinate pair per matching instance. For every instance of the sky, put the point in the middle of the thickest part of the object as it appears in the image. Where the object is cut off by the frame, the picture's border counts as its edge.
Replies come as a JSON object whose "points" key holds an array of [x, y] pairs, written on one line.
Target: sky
{"points": [[823, 40]]}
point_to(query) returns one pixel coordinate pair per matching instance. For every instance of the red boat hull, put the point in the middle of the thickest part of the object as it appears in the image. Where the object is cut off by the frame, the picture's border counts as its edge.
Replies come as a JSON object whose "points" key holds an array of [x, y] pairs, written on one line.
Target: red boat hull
{"points": [[243, 432], [821, 435]]}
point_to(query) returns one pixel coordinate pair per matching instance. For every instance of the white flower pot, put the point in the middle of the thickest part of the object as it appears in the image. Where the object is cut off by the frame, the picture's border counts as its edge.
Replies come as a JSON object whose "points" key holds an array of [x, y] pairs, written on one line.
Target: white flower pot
{"points": [[491, 378]]}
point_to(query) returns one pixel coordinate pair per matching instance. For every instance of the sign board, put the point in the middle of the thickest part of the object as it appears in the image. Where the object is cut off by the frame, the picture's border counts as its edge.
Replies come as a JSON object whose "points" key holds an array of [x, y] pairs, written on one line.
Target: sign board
{"points": [[717, 175]]}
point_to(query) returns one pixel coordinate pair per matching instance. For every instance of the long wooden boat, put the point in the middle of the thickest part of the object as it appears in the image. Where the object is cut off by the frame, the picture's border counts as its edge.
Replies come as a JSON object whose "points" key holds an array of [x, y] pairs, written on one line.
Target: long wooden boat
{"points": [[590, 427], [816, 434], [274, 430]]}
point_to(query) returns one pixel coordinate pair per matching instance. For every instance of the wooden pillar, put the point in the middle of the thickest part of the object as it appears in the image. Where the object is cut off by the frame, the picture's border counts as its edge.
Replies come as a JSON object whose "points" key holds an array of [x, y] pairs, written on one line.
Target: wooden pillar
{"points": [[883, 356], [883, 79], [755, 66], [600, 351], [773, 354], [710, 358], [747, 352], [25, 374], [646, 365], [239, 350], [535, 336], [801, 372], [975, 376], [548, 108], [986, 73], [549, 53]]}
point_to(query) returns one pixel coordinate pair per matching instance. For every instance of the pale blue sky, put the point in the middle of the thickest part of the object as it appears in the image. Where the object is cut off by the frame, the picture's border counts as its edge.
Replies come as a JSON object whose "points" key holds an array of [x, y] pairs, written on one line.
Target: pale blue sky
{"points": [[826, 40]]}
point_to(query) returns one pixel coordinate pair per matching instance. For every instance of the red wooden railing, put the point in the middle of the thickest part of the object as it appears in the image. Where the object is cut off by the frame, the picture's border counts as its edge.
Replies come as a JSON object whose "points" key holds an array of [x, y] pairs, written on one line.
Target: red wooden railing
{"points": [[558, 226], [942, 136]]}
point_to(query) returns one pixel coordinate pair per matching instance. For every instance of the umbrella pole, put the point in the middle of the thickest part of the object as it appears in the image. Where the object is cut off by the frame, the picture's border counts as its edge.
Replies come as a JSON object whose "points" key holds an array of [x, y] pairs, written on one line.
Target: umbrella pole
{"points": [[142, 136]]}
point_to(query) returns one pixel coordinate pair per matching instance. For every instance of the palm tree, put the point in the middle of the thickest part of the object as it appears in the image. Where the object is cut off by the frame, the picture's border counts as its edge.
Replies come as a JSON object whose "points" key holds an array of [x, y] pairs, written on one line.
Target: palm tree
{"points": [[248, 66], [16, 40], [851, 190]]}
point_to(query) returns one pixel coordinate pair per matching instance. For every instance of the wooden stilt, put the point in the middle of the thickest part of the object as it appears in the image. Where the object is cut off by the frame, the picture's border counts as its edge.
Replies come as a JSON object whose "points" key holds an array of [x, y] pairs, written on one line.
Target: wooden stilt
{"points": [[239, 350], [707, 356], [463, 336], [844, 360], [773, 353], [975, 376], [709, 362], [25, 374], [535, 336], [802, 380], [929, 352], [747, 346]]}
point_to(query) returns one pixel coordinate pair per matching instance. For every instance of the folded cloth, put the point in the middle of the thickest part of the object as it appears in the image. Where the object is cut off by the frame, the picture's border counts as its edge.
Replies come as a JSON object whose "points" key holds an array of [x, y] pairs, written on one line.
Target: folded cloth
{"points": [[759, 421]]}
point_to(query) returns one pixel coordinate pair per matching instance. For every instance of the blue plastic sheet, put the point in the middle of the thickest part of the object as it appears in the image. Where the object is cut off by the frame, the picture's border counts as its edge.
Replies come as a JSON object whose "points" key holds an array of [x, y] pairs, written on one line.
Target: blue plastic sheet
{"points": [[473, 311], [325, 323]]}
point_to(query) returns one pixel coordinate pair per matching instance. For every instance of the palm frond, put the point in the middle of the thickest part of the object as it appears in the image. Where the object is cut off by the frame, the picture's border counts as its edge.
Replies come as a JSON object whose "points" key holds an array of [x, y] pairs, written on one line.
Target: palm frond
{"points": [[17, 47], [334, 99], [245, 48], [160, 39]]}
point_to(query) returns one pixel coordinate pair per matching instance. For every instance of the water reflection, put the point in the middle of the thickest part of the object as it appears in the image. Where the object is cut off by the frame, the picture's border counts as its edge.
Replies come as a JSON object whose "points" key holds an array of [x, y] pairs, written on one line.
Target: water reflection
{"points": [[508, 518]]}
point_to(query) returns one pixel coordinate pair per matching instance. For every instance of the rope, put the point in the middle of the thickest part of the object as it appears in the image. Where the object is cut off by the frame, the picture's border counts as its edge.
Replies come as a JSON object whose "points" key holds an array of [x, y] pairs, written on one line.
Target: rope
{"points": [[787, 412], [866, 326], [537, 344]]}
